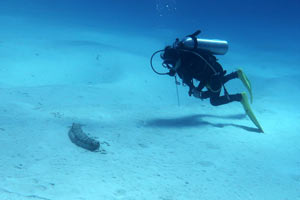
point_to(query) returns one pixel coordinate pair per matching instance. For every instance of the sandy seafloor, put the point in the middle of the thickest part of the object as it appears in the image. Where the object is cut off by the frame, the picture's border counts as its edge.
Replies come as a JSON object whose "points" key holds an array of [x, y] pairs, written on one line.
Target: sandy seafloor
{"points": [[151, 148]]}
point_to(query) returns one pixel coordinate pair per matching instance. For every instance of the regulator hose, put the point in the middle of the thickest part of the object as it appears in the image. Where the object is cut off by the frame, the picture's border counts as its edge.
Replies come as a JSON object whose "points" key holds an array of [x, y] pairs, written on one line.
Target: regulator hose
{"points": [[151, 59]]}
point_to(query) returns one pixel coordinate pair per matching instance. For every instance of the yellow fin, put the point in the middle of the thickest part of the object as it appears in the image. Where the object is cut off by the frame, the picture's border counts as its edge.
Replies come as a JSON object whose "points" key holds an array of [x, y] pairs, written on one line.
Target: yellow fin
{"points": [[249, 111], [242, 76]]}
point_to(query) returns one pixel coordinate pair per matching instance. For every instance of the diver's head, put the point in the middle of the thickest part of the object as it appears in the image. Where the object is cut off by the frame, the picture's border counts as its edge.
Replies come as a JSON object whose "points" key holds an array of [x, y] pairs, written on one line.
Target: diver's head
{"points": [[170, 56]]}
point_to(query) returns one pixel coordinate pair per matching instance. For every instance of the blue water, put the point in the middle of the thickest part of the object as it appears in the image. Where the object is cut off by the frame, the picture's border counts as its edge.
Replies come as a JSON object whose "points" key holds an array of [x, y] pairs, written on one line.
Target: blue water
{"points": [[252, 22], [87, 61], [231, 17]]}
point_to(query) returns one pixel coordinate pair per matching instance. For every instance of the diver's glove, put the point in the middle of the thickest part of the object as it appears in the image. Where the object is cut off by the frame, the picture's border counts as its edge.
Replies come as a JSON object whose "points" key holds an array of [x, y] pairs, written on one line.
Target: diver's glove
{"points": [[197, 93]]}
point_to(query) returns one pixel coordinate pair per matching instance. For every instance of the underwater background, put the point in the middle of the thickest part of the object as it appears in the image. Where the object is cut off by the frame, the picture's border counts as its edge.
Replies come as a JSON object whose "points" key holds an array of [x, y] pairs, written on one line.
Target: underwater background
{"points": [[87, 62]]}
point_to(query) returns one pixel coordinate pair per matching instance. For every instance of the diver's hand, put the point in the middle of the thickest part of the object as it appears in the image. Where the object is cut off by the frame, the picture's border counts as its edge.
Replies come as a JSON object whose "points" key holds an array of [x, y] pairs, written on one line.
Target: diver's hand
{"points": [[197, 93]]}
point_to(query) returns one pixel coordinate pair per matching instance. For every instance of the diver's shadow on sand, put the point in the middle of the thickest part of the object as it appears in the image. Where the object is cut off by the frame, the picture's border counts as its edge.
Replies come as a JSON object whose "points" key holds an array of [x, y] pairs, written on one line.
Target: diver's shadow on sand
{"points": [[197, 120]]}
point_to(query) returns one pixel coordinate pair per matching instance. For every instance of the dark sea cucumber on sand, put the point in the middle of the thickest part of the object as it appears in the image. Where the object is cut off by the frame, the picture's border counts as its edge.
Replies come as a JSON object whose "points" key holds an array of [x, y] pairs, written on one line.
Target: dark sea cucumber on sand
{"points": [[78, 137]]}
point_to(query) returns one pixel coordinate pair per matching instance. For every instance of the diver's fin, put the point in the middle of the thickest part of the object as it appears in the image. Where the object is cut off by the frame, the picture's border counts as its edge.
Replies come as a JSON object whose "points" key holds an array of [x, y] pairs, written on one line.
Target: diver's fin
{"points": [[249, 111], [242, 76]]}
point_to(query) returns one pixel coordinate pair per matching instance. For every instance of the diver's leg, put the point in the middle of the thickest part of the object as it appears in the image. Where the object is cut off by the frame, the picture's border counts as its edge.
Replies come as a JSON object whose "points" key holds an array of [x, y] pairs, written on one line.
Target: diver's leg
{"points": [[242, 76], [206, 94], [230, 76], [217, 100]]}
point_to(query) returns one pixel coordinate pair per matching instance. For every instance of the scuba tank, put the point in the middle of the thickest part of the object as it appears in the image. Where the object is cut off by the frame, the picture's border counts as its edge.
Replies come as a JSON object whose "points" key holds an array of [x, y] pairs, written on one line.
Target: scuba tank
{"points": [[191, 42]]}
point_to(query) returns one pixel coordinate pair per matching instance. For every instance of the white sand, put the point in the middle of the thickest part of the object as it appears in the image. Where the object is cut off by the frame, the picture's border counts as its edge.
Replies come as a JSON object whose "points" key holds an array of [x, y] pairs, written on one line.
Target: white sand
{"points": [[154, 149]]}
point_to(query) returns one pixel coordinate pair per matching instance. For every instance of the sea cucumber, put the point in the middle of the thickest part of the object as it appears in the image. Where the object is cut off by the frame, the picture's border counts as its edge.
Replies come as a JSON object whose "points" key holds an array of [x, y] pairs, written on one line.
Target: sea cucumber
{"points": [[78, 137]]}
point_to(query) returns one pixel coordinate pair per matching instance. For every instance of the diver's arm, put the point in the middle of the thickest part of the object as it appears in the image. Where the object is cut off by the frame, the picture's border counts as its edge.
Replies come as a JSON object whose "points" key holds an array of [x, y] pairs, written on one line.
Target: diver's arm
{"points": [[201, 86], [173, 70], [197, 91], [188, 80], [191, 86], [186, 77]]}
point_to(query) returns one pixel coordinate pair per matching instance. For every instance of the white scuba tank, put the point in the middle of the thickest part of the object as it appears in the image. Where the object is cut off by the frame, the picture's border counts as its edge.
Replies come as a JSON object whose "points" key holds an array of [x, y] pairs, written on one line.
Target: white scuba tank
{"points": [[216, 47]]}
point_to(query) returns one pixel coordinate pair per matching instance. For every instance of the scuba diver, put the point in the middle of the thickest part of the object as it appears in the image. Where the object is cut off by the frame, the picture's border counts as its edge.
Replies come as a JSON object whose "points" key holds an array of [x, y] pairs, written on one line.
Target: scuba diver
{"points": [[194, 59]]}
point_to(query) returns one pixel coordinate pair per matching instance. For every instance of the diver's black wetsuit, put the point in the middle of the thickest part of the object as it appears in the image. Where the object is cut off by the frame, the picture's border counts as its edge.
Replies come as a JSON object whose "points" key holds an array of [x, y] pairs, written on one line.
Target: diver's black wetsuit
{"points": [[194, 67]]}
